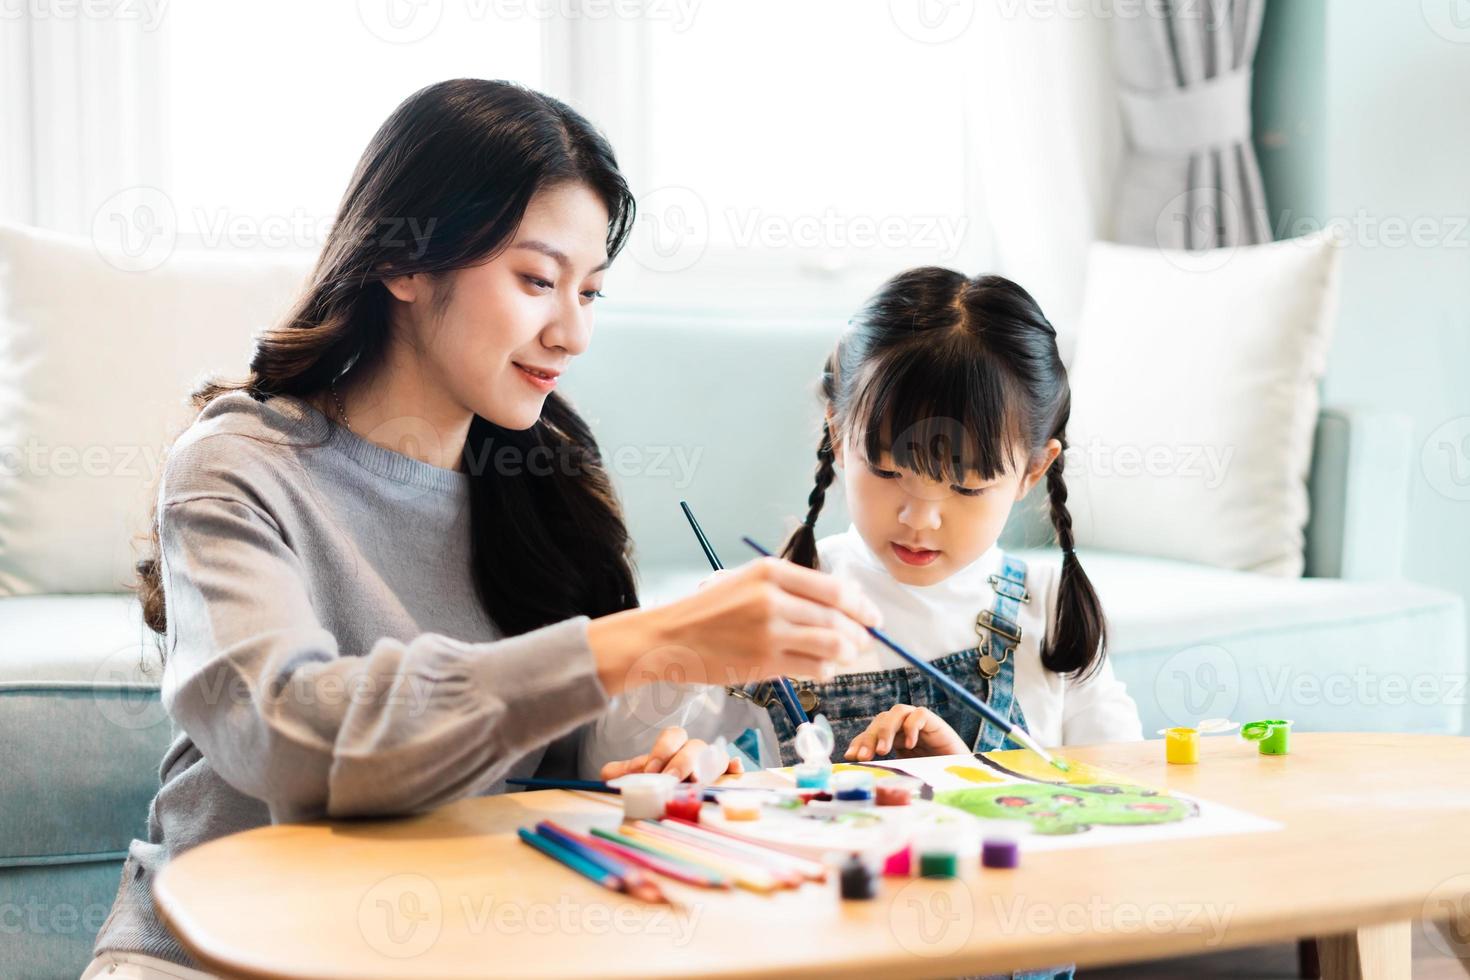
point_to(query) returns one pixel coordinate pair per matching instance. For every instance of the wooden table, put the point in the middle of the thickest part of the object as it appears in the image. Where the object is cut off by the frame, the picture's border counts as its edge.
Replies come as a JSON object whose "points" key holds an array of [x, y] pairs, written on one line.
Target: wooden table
{"points": [[1377, 836]]}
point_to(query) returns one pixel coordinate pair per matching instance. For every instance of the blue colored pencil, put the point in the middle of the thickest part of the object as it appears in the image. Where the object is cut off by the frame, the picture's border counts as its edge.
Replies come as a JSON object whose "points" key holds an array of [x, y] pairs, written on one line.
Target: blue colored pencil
{"points": [[635, 882], [784, 691], [577, 863], [960, 693], [635, 885]]}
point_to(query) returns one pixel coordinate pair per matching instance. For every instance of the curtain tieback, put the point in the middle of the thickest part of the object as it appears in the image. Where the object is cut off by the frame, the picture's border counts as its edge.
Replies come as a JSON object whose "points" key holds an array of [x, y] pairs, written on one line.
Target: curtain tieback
{"points": [[1176, 121]]}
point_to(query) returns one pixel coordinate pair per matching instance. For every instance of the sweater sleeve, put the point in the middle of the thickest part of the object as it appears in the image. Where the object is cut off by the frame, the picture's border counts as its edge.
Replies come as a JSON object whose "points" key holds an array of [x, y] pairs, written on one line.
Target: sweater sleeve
{"points": [[284, 715]]}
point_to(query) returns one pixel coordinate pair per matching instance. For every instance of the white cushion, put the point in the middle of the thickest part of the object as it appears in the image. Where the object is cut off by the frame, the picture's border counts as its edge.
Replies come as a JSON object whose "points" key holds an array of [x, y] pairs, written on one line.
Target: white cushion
{"points": [[1195, 399], [96, 363], [97, 640]]}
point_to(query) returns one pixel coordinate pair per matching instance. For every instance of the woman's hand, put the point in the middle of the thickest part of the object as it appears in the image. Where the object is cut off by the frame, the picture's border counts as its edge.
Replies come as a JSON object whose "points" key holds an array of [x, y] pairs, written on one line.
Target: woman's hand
{"points": [[765, 619], [673, 752], [907, 731]]}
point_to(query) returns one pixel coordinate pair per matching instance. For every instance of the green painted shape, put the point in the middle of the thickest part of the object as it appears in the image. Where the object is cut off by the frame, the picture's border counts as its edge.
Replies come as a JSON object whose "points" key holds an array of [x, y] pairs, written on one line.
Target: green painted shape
{"points": [[1061, 809]]}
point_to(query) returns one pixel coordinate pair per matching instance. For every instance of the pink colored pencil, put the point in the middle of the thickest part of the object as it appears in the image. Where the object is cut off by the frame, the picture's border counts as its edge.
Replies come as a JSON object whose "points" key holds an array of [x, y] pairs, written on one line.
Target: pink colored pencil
{"points": [[814, 870], [689, 874], [783, 873]]}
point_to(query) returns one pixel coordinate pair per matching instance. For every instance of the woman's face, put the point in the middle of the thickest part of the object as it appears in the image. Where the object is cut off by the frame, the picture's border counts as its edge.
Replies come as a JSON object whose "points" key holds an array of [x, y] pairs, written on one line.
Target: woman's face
{"points": [[924, 530], [511, 325]]}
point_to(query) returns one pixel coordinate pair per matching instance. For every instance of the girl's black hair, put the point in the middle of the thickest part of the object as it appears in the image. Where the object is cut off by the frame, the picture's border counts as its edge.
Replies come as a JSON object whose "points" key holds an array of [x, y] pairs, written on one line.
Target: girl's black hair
{"points": [[443, 185], [952, 375]]}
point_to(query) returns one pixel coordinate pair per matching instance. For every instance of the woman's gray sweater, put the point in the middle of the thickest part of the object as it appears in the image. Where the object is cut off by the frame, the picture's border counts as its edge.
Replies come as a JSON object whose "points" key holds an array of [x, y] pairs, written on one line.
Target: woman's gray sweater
{"points": [[326, 653]]}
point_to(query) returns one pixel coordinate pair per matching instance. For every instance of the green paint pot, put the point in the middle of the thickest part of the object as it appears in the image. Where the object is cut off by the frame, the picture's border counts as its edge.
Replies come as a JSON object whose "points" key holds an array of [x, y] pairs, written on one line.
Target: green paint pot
{"points": [[1273, 735]]}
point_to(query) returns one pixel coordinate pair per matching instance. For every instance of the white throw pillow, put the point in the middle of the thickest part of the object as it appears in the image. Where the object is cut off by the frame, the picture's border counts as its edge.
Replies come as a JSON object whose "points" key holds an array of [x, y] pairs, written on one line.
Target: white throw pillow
{"points": [[96, 364], [1195, 398]]}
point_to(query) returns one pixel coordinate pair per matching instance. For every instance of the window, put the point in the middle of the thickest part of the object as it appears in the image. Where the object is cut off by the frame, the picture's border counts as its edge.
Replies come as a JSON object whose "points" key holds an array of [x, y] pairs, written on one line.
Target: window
{"points": [[270, 105], [771, 172], [806, 172]]}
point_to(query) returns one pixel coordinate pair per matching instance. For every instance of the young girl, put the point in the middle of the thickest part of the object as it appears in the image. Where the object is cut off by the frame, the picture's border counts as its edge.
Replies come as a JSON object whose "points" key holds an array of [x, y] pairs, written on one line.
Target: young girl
{"points": [[947, 402]]}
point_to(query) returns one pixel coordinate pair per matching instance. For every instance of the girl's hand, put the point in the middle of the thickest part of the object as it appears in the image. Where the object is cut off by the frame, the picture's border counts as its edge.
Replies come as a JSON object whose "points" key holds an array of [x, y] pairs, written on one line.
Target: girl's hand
{"points": [[673, 752], [907, 732]]}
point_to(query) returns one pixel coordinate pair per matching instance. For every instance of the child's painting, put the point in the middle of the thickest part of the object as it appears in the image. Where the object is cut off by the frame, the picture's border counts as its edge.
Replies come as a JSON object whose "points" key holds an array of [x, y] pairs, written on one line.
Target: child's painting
{"points": [[1082, 806], [1048, 808]]}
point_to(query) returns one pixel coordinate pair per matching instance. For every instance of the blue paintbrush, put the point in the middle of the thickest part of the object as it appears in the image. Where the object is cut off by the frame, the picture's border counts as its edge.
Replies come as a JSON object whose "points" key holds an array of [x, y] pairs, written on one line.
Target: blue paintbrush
{"points": [[784, 690], [1016, 732]]}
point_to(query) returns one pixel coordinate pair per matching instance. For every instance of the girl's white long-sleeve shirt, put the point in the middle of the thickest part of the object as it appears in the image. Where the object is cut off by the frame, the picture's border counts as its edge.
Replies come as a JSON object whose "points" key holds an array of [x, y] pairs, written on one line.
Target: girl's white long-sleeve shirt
{"points": [[930, 621]]}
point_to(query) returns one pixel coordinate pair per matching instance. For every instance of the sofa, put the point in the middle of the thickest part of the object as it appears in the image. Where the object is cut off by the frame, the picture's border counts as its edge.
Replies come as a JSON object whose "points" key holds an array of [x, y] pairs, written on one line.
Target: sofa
{"points": [[718, 411]]}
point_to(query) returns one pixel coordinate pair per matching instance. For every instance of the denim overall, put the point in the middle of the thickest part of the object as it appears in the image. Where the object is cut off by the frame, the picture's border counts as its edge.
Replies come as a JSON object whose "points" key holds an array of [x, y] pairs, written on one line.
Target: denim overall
{"points": [[851, 701]]}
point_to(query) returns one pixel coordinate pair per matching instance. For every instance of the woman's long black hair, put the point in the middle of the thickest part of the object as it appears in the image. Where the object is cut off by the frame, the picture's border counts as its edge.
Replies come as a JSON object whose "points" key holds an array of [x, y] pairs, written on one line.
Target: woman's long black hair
{"points": [[953, 375], [443, 185]]}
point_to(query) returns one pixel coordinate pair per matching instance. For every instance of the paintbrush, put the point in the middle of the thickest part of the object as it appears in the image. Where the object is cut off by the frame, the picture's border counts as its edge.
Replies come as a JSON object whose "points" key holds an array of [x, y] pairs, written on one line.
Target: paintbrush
{"points": [[1016, 732]]}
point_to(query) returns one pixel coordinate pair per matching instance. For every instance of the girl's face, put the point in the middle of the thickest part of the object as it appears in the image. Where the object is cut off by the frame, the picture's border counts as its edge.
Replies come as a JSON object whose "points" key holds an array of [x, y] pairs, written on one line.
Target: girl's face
{"points": [[513, 324], [924, 530]]}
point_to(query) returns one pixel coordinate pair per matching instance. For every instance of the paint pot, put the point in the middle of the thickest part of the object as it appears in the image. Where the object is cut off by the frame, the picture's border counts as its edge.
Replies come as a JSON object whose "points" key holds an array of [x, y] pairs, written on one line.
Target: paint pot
{"points": [[859, 880], [939, 864], [896, 790], [812, 775], [814, 741], [1000, 852], [1272, 735], [644, 793], [938, 852], [742, 805], [899, 864], [853, 786], [1181, 746], [685, 803]]}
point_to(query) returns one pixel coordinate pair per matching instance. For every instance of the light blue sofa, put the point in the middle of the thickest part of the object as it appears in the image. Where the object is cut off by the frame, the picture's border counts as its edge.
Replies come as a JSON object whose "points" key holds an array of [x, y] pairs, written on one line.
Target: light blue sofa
{"points": [[724, 414]]}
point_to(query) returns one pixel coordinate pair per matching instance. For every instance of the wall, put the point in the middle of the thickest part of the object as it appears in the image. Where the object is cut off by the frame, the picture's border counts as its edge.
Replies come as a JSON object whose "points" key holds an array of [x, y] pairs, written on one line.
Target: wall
{"points": [[1363, 117]]}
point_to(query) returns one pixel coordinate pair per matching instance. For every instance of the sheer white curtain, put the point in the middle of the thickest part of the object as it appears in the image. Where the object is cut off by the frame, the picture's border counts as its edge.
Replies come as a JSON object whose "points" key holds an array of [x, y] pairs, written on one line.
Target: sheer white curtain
{"points": [[1044, 121], [87, 109], [80, 118]]}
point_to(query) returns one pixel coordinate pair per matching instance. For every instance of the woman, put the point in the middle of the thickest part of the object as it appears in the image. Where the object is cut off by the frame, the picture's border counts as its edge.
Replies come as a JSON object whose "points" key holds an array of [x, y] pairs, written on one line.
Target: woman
{"points": [[354, 630]]}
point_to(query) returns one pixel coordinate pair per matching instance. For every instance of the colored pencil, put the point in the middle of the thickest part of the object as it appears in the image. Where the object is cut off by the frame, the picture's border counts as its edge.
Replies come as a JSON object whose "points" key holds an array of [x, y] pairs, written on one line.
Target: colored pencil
{"points": [[635, 882], [783, 865], [959, 692], [814, 870], [742, 873], [664, 864], [669, 868], [686, 858], [784, 875], [784, 691], [578, 864]]}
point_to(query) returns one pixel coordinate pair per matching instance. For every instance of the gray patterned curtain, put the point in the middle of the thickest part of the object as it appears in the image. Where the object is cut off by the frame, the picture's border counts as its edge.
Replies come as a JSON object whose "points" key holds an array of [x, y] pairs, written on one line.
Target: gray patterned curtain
{"points": [[1190, 178]]}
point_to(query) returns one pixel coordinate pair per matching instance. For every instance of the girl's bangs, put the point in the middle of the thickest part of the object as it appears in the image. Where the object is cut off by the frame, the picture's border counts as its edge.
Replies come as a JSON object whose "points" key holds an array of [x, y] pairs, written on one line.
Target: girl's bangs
{"points": [[941, 414]]}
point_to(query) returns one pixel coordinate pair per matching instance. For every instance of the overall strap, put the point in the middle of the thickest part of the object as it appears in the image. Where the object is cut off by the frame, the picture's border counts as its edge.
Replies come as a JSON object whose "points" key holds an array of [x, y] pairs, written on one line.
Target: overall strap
{"points": [[1001, 627]]}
